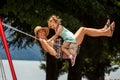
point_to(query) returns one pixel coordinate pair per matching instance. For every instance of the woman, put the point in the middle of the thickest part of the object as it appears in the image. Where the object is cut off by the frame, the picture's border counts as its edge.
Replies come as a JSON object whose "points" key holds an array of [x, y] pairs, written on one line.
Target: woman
{"points": [[42, 33]]}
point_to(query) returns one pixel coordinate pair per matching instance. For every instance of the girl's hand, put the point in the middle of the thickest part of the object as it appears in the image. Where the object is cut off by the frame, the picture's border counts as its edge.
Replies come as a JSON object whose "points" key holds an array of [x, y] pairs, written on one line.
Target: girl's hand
{"points": [[48, 41], [40, 39]]}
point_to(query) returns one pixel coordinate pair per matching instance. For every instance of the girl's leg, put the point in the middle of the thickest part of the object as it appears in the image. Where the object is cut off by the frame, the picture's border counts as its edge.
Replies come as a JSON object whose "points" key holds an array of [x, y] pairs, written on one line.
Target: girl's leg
{"points": [[48, 48], [64, 48], [79, 35], [66, 51]]}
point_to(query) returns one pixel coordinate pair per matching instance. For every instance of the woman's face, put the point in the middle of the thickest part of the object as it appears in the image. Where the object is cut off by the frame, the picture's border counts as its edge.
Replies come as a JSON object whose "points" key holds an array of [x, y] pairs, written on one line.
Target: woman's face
{"points": [[52, 24], [42, 34]]}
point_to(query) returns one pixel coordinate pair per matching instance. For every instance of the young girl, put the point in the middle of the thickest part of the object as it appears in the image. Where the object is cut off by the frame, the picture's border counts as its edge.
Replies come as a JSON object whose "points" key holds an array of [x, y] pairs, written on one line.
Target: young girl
{"points": [[70, 39]]}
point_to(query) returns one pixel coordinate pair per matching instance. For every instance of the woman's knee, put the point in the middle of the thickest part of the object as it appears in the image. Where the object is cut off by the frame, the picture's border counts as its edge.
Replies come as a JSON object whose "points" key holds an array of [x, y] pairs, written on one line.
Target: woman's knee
{"points": [[83, 29]]}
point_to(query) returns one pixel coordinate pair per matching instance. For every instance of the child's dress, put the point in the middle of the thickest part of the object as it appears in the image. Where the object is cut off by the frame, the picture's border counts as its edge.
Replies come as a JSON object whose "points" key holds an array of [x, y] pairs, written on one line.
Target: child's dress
{"points": [[67, 35]]}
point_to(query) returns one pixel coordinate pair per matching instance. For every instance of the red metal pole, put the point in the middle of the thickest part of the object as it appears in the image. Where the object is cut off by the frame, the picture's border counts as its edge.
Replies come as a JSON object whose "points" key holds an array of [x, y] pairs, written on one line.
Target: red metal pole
{"points": [[2, 34]]}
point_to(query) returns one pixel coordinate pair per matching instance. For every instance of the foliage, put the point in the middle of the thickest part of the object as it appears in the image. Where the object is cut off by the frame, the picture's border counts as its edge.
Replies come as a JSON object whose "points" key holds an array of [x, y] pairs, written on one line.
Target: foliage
{"points": [[97, 54]]}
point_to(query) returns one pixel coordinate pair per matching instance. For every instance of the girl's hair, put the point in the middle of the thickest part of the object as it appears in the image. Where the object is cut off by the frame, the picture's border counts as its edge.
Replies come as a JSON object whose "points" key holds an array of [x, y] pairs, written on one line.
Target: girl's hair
{"points": [[55, 18]]}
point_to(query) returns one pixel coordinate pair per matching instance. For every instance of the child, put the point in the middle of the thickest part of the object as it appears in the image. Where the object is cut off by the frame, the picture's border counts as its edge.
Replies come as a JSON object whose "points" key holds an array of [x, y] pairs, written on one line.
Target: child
{"points": [[55, 23]]}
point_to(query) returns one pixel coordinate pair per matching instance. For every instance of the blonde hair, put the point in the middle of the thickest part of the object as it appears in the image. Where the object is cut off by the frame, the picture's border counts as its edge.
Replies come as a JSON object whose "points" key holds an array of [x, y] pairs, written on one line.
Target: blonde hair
{"points": [[54, 18]]}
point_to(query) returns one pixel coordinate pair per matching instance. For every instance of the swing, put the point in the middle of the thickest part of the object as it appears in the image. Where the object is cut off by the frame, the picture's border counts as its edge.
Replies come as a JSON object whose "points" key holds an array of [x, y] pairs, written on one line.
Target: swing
{"points": [[7, 51]]}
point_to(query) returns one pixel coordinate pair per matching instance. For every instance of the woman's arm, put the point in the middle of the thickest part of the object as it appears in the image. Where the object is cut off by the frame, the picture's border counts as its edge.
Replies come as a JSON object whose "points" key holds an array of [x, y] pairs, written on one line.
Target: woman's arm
{"points": [[42, 45]]}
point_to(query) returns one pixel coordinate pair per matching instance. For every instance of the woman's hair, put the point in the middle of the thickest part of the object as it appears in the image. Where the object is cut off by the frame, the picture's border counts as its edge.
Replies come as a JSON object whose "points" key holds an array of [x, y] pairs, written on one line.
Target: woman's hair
{"points": [[55, 18]]}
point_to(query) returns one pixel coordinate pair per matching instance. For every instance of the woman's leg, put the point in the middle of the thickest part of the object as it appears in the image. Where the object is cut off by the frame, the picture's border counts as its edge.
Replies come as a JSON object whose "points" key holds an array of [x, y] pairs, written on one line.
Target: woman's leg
{"points": [[48, 48], [106, 25], [79, 35]]}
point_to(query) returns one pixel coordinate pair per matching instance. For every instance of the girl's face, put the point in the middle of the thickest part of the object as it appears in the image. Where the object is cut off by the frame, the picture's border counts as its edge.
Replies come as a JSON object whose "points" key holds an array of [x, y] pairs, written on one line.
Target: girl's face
{"points": [[52, 24], [42, 34]]}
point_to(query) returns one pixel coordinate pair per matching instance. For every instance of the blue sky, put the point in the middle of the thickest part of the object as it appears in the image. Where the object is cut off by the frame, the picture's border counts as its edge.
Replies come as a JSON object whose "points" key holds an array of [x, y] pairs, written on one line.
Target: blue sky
{"points": [[29, 53]]}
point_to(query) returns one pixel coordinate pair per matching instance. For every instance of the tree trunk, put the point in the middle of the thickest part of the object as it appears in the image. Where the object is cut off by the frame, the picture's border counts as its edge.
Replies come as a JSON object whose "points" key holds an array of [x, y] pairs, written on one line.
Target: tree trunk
{"points": [[51, 69]]}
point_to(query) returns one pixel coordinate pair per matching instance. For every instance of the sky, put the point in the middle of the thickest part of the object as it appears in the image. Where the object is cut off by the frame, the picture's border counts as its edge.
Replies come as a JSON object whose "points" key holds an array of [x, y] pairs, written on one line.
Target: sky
{"points": [[29, 53]]}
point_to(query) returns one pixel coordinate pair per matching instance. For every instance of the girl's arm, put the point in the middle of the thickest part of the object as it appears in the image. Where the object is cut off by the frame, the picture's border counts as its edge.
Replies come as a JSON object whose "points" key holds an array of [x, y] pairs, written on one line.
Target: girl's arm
{"points": [[56, 34]]}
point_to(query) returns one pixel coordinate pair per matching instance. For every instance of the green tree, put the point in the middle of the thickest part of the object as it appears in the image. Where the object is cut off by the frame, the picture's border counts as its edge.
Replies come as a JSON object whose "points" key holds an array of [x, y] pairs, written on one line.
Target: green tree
{"points": [[96, 55]]}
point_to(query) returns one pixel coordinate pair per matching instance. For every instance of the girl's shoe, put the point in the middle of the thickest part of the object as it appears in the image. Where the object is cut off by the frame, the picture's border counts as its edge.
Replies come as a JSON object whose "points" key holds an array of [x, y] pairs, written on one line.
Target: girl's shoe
{"points": [[112, 27], [73, 59], [106, 25]]}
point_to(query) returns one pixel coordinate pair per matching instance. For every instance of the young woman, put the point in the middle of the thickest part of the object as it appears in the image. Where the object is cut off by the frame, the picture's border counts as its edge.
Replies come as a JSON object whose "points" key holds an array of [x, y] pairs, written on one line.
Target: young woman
{"points": [[70, 39]]}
